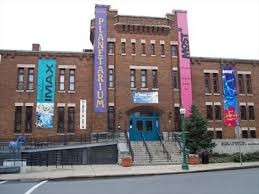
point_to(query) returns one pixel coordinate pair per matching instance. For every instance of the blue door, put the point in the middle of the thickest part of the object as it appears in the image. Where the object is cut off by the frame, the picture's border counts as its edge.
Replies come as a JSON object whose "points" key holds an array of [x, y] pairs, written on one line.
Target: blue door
{"points": [[146, 125]]}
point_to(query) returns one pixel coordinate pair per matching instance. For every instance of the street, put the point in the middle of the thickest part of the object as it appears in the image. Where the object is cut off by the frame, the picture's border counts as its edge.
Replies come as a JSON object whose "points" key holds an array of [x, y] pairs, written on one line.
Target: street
{"points": [[223, 182]]}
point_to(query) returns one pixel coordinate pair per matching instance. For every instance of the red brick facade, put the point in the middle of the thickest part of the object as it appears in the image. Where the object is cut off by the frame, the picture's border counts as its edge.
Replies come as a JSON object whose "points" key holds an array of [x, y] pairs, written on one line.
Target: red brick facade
{"points": [[122, 30]]}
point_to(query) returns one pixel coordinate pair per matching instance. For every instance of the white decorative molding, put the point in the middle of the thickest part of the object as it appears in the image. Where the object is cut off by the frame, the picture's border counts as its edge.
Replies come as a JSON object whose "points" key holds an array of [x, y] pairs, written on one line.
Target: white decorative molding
{"points": [[111, 39], [218, 129], [133, 40], [210, 71], [18, 104], [152, 42], [252, 128], [242, 103], [176, 105], [175, 68], [210, 129], [123, 39], [26, 65], [162, 42], [250, 104], [111, 104], [208, 103], [61, 104], [71, 105], [142, 67], [142, 41], [67, 66], [173, 43], [244, 72], [29, 104], [244, 128], [111, 66], [217, 103]]}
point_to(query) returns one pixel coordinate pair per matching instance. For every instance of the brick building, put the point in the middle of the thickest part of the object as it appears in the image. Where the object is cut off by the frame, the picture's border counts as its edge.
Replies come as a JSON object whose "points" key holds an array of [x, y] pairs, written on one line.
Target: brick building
{"points": [[130, 82]]}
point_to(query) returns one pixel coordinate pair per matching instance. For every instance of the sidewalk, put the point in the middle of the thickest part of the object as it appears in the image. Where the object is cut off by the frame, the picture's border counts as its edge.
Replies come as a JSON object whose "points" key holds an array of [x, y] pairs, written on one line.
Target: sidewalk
{"points": [[106, 171]]}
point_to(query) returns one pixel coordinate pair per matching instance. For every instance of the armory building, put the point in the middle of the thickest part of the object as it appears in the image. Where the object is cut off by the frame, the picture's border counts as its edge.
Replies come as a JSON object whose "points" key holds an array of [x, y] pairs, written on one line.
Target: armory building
{"points": [[136, 78]]}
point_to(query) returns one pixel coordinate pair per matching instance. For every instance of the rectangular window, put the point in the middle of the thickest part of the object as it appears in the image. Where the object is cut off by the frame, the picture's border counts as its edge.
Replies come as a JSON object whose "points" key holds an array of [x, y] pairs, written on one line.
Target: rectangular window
{"points": [[30, 78], [175, 80], [249, 84], [143, 48], [123, 47], [244, 134], [133, 46], [218, 134], [253, 133], [28, 119], [155, 78], [153, 52], [207, 83], [162, 49], [110, 47], [143, 78], [20, 79], [132, 78], [241, 83], [243, 112], [209, 112], [62, 79], [215, 82], [71, 120], [177, 119], [174, 50], [72, 79], [217, 112], [111, 78], [111, 118], [18, 119], [251, 112], [61, 119]]}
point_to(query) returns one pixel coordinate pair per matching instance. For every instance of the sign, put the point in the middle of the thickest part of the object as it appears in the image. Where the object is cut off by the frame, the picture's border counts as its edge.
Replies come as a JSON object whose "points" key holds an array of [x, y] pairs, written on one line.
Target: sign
{"points": [[184, 62], [145, 97], [46, 93], [100, 59], [231, 116], [83, 114]]}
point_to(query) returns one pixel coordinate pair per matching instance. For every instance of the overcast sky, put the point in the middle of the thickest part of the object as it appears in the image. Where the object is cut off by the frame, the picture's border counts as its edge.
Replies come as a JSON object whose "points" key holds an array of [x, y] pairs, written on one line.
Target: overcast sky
{"points": [[217, 28]]}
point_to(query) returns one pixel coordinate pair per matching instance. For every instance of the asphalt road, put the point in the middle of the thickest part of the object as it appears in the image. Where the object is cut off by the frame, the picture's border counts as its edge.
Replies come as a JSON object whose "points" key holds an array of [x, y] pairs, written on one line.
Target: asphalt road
{"points": [[220, 182]]}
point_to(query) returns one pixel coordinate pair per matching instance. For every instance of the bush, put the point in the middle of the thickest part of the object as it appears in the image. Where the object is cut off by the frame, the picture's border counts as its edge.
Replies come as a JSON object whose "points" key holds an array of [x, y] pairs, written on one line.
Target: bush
{"points": [[224, 158]]}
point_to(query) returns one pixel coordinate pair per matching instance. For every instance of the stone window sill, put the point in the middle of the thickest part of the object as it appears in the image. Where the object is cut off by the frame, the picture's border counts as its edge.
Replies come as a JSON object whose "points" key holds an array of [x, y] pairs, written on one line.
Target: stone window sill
{"points": [[123, 54], [143, 55], [61, 91], [111, 54], [71, 92], [155, 89], [216, 94], [153, 55], [29, 91], [133, 54], [110, 88], [174, 56], [145, 89], [208, 94], [176, 90], [162, 55], [19, 90]]}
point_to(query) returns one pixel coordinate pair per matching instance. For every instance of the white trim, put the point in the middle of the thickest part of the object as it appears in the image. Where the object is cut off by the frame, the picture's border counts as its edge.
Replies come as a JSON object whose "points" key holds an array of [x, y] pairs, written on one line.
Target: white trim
{"points": [[123, 39], [35, 187], [173, 43], [244, 128], [123, 54], [210, 129], [162, 42], [71, 91], [18, 104], [111, 39], [67, 66], [244, 72], [152, 42], [111, 66], [142, 67], [217, 103], [71, 105], [143, 55], [111, 104], [250, 104], [242, 103], [61, 104], [29, 104], [208, 103], [175, 68], [142, 41], [145, 89], [252, 129], [133, 40], [218, 129], [176, 105], [210, 71], [26, 65], [0, 58]]}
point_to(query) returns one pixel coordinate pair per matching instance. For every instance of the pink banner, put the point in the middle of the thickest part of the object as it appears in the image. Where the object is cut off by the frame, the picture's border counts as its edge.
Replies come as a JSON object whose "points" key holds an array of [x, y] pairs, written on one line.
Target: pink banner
{"points": [[184, 61]]}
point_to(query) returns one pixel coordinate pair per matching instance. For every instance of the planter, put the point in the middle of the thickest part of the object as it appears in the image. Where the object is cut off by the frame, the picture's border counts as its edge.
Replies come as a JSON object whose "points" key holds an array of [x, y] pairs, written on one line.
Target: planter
{"points": [[126, 162], [194, 159]]}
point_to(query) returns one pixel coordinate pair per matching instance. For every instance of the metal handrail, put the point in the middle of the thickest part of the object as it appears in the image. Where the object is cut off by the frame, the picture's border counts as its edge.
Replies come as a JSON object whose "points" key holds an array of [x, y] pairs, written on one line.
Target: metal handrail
{"points": [[163, 146], [129, 145], [147, 150], [178, 141]]}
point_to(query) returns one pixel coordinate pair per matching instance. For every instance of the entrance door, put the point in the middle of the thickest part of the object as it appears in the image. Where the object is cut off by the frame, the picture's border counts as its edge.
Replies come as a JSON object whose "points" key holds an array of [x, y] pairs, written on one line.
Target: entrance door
{"points": [[148, 126]]}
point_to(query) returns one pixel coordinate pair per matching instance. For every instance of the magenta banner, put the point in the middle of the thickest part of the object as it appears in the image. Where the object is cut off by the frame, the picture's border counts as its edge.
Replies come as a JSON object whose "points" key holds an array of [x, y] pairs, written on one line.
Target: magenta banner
{"points": [[184, 62], [100, 59]]}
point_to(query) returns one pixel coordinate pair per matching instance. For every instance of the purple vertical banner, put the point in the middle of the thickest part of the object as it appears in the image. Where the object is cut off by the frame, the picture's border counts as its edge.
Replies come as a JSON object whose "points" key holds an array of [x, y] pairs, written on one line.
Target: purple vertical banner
{"points": [[231, 115], [100, 59]]}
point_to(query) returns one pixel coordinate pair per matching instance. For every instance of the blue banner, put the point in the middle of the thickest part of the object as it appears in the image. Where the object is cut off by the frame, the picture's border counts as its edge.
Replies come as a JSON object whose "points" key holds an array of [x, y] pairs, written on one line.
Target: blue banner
{"points": [[145, 97], [229, 96], [100, 59], [46, 93]]}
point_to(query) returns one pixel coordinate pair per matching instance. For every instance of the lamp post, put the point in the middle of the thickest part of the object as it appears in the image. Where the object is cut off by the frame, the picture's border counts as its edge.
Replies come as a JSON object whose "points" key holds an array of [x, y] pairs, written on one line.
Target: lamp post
{"points": [[184, 163]]}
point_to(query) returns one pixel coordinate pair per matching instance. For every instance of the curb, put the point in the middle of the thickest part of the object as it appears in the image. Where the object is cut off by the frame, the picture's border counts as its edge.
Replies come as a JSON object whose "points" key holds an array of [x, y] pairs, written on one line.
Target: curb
{"points": [[116, 176]]}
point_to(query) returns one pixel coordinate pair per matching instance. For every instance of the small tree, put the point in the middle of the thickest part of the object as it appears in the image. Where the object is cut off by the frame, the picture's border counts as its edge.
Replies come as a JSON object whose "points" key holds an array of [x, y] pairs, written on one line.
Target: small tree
{"points": [[198, 136]]}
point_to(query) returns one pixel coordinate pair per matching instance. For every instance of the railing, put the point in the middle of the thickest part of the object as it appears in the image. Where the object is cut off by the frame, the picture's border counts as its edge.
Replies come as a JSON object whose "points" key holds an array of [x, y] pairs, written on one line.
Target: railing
{"points": [[177, 138], [147, 150], [163, 146], [129, 145]]}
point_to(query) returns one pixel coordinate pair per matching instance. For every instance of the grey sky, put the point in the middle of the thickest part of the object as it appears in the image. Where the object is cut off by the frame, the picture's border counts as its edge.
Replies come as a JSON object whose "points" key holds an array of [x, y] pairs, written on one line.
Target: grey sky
{"points": [[217, 28]]}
